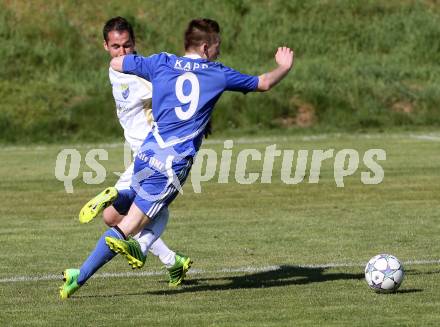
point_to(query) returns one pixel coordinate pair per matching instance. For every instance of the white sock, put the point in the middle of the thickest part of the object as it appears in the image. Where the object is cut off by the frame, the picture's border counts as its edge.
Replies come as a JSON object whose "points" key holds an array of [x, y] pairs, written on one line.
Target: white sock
{"points": [[152, 231], [145, 238], [161, 250]]}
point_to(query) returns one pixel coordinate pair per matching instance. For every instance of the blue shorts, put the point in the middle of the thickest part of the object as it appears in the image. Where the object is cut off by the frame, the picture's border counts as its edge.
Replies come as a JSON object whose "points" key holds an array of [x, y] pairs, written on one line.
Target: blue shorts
{"points": [[124, 201], [156, 188]]}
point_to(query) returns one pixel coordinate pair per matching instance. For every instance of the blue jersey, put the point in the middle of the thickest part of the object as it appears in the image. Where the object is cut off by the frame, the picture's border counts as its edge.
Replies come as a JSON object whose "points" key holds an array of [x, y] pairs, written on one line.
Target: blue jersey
{"points": [[185, 91]]}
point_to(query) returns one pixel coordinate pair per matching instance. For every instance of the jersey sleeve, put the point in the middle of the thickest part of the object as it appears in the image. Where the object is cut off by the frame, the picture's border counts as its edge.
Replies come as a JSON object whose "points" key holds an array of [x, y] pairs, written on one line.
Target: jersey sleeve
{"points": [[236, 81], [144, 67]]}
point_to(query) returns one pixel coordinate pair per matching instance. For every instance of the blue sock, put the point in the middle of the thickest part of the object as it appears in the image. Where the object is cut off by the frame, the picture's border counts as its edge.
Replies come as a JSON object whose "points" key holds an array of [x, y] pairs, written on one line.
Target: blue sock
{"points": [[99, 257]]}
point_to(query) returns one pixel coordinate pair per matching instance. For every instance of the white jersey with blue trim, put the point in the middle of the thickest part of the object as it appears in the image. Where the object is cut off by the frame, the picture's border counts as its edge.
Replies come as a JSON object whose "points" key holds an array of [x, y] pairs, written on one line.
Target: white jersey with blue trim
{"points": [[185, 90], [132, 96]]}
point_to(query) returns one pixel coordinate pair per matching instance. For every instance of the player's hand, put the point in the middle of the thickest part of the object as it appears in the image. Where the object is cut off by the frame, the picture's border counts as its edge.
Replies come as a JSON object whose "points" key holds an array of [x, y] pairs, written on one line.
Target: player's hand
{"points": [[285, 57], [116, 63]]}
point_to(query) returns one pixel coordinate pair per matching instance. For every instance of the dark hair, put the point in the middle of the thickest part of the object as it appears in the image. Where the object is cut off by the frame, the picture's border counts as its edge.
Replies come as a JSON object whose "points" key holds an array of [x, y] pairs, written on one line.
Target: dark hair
{"points": [[119, 24], [201, 30]]}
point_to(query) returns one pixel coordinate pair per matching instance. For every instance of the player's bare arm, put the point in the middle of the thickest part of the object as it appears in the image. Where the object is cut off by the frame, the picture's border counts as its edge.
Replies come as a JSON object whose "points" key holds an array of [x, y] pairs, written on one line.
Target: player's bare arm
{"points": [[284, 59], [116, 63]]}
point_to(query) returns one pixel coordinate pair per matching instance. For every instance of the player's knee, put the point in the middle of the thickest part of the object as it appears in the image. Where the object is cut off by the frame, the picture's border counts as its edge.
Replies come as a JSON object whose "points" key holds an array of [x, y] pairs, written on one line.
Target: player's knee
{"points": [[111, 217]]}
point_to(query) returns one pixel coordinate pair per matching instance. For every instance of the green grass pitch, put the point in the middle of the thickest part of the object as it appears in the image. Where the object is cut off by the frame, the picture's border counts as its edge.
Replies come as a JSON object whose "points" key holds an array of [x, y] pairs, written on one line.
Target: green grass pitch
{"points": [[258, 249]]}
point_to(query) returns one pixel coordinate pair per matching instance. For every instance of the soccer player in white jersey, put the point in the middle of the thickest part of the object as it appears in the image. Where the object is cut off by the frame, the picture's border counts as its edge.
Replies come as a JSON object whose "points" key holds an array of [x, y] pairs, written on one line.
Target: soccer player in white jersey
{"points": [[185, 90], [132, 96]]}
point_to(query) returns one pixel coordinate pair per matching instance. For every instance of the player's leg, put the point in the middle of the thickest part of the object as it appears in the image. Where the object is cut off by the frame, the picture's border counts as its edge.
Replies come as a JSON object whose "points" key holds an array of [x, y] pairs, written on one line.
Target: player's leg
{"points": [[134, 221], [74, 279], [150, 233], [130, 248], [111, 216], [102, 254], [151, 194], [154, 192], [138, 216], [177, 264], [149, 239], [114, 214], [145, 238], [99, 256], [163, 252]]}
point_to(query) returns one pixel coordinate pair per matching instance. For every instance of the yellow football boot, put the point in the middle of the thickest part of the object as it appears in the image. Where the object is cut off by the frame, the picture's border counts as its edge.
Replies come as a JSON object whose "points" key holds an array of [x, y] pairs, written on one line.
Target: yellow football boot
{"points": [[96, 205]]}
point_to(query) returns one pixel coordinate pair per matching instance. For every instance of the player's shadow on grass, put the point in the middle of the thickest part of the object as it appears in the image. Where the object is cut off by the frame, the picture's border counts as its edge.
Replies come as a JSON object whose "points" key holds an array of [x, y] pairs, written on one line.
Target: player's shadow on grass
{"points": [[282, 276]]}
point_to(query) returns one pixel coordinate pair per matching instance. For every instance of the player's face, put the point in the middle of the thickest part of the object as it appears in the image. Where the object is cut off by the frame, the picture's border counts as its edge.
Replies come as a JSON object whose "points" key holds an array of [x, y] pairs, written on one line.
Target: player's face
{"points": [[119, 43]]}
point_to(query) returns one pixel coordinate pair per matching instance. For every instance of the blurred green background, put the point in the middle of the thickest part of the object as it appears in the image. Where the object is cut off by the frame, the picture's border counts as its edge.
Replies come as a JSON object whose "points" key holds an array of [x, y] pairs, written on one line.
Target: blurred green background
{"points": [[360, 65]]}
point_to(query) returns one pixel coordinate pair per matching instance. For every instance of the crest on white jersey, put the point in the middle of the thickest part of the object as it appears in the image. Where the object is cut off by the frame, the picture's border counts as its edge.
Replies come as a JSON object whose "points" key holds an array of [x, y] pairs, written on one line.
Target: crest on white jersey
{"points": [[125, 90]]}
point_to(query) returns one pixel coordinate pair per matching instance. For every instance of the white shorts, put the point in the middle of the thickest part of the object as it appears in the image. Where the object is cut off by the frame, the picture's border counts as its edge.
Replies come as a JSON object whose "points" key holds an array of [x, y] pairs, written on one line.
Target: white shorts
{"points": [[124, 180]]}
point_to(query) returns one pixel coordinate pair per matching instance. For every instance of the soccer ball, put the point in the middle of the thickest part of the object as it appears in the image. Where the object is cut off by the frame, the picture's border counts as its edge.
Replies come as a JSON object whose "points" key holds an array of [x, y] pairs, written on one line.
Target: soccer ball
{"points": [[384, 273]]}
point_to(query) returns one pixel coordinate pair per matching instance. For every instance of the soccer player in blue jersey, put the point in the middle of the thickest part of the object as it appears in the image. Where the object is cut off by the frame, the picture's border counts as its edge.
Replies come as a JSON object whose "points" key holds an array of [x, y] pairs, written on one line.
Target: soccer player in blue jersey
{"points": [[185, 90], [132, 96]]}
